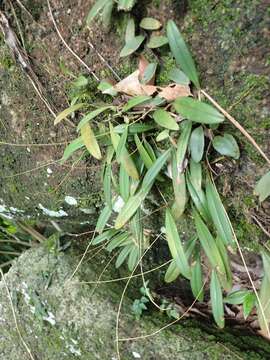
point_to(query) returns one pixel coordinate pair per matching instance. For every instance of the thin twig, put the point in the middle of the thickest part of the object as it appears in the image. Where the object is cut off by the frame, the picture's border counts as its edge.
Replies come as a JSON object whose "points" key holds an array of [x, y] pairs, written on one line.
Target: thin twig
{"points": [[105, 61], [14, 317], [67, 46], [237, 125]]}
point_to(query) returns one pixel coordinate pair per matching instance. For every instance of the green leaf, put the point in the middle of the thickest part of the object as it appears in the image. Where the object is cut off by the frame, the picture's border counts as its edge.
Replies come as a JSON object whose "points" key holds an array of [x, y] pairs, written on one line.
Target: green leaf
{"points": [[153, 172], [179, 188], [124, 183], [125, 5], [248, 304], [164, 119], [216, 300], [182, 143], [76, 144], [135, 101], [172, 272], [199, 199], [181, 53], [262, 188], [263, 311], [90, 141], [157, 41], [107, 185], [120, 150], [149, 23], [98, 6], [107, 14], [67, 112], [236, 297], [209, 245], [92, 115], [132, 45], [148, 162], [135, 128], [175, 245], [103, 219], [196, 281], [226, 145], [123, 255], [162, 135], [196, 144], [130, 30], [179, 77], [119, 240], [135, 201], [133, 258], [226, 279], [219, 215], [148, 73], [107, 88], [195, 176], [106, 235], [197, 111], [126, 158]]}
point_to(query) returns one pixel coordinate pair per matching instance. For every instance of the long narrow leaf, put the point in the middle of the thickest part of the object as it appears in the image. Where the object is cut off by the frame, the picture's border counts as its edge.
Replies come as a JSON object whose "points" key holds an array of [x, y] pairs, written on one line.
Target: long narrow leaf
{"points": [[216, 300], [92, 115], [90, 141], [135, 201], [98, 6], [196, 144], [175, 245], [181, 53], [67, 112], [182, 143], [219, 215]]}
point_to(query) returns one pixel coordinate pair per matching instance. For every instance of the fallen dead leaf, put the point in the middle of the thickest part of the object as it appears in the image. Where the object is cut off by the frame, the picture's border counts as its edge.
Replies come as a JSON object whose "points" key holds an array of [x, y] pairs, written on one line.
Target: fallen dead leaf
{"points": [[132, 86], [173, 91]]}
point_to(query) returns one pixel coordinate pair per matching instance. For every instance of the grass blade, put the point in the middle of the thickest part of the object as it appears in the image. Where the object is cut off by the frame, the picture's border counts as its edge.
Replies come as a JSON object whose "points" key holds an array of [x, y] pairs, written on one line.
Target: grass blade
{"points": [[103, 219], [135, 101], [76, 144], [182, 143], [219, 215], [107, 185], [179, 188], [172, 272], [209, 245], [124, 183], [95, 10], [148, 162], [216, 300], [181, 53], [92, 115], [196, 281], [67, 112], [175, 245], [123, 255], [90, 141], [135, 201]]}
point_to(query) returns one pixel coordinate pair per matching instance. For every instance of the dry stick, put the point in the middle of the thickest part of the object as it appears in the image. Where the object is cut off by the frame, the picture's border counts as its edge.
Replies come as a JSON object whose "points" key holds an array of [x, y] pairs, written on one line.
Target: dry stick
{"points": [[237, 125], [67, 46], [104, 61], [14, 317]]}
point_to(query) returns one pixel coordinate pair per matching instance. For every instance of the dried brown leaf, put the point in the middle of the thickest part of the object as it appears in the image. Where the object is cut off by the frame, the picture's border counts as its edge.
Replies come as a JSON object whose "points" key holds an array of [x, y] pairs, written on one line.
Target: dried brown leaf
{"points": [[132, 86], [172, 92]]}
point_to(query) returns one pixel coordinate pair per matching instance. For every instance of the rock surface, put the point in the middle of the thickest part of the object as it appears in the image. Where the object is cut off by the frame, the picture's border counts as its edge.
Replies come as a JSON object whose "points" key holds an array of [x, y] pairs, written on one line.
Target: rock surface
{"points": [[60, 319]]}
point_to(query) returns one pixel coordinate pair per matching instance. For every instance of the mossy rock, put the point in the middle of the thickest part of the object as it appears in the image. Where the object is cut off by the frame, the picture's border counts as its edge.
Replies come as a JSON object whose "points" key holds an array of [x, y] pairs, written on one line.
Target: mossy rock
{"points": [[60, 318]]}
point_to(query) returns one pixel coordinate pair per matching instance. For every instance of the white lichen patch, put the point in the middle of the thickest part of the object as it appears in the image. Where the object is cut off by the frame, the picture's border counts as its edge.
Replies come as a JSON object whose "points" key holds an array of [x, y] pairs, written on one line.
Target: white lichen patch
{"points": [[87, 211], [118, 205], [52, 213], [50, 318], [136, 355], [70, 200]]}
